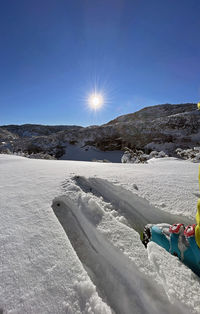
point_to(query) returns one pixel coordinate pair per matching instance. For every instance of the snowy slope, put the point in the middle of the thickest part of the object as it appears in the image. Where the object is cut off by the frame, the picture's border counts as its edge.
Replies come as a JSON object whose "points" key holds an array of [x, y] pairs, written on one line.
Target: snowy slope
{"points": [[69, 243]]}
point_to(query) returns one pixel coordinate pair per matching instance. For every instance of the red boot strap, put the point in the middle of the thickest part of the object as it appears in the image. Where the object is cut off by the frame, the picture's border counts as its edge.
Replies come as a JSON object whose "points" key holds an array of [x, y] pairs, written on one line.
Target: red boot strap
{"points": [[190, 230]]}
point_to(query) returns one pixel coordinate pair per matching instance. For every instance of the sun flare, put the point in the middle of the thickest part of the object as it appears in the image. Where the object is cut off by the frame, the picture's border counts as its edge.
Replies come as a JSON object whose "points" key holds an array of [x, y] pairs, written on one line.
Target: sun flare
{"points": [[96, 101]]}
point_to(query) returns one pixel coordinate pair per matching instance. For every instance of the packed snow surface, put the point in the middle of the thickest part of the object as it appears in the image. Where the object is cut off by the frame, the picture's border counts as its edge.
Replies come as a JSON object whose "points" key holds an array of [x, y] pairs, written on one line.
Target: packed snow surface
{"points": [[70, 243]]}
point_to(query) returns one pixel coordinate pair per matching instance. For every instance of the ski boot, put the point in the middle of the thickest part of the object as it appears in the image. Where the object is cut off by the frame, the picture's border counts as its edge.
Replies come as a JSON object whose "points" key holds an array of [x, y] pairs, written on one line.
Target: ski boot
{"points": [[177, 240]]}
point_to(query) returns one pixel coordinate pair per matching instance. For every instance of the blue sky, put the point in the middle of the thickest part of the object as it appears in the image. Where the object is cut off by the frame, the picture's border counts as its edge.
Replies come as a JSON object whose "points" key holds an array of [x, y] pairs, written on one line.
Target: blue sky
{"points": [[54, 52]]}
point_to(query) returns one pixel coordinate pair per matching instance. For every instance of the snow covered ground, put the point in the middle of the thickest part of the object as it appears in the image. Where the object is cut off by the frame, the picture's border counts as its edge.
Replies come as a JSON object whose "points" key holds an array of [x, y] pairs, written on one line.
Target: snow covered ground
{"points": [[69, 236]]}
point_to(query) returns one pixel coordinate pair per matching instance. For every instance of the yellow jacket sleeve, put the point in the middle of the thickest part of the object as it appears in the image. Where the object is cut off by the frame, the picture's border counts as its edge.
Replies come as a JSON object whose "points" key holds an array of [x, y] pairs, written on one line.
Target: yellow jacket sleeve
{"points": [[197, 229]]}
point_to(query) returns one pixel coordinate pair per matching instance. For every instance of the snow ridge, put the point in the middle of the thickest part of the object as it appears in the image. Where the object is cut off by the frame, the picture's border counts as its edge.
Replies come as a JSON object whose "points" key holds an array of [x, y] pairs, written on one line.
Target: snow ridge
{"points": [[112, 272], [135, 209]]}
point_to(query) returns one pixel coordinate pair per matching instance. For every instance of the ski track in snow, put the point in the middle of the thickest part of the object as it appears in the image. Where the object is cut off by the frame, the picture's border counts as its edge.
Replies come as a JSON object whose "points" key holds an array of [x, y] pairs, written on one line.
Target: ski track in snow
{"points": [[135, 209], [117, 279], [46, 269]]}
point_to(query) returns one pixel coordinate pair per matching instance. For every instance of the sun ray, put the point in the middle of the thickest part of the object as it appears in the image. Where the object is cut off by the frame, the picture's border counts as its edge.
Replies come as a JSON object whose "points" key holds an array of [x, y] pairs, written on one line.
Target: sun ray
{"points": [[95, 101]]}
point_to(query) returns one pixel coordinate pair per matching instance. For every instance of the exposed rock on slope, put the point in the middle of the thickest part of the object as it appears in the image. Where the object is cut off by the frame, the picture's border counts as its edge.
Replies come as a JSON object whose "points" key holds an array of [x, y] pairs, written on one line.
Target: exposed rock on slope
{"points": [[190, 154], [138, 156]]}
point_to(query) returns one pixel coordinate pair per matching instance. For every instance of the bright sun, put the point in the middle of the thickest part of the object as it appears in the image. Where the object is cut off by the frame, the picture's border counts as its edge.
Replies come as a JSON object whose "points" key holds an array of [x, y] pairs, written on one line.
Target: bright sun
{"points": [[96, 101]]}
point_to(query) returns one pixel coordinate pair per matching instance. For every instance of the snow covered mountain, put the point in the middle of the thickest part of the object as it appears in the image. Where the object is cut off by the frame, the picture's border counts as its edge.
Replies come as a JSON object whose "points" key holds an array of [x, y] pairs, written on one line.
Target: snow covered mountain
{"points": [[162, 127]]}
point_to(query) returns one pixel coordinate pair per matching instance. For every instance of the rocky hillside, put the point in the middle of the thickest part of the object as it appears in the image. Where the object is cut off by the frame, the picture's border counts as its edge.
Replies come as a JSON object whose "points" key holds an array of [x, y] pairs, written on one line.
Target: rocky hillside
{"points": [[162, 127], [30, 130]]}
